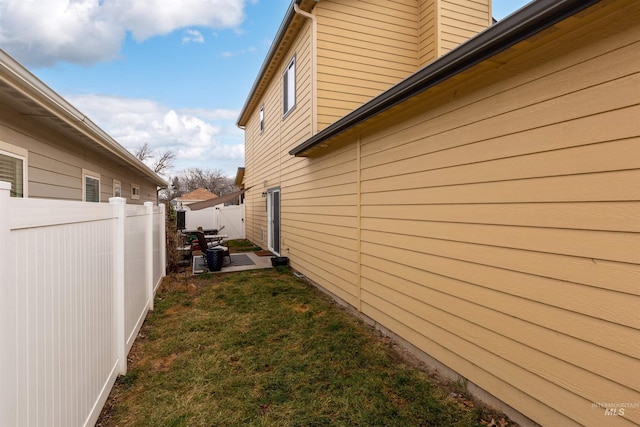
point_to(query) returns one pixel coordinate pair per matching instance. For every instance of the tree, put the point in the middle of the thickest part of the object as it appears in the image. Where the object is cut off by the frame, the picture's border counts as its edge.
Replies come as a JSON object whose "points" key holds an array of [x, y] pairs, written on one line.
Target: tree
{"points": [[192, 178], [212, 180], [160, 163], [171, 192]]}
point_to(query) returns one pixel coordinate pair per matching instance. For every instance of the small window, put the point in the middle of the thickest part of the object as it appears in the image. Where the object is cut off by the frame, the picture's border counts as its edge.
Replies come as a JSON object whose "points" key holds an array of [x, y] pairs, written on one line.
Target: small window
{"points": [[12, 170], [289, 87], [117, 188], [135, 191], [261, 119], [91, 186]]}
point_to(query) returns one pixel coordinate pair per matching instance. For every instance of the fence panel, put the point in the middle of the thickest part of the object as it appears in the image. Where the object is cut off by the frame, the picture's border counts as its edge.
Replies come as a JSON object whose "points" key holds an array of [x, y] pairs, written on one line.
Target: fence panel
{"points": [[135, 280], [230, 217], [75, 289], [66, 358], [159, 244]]}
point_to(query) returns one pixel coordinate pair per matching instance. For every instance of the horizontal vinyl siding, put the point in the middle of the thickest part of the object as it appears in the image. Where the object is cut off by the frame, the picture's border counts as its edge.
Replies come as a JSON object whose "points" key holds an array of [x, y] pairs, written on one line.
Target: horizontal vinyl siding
{"points": [[510, 213], [427, 28], [460, 20], [56, 164], [321, 217], [266, 153], [364, 48]]}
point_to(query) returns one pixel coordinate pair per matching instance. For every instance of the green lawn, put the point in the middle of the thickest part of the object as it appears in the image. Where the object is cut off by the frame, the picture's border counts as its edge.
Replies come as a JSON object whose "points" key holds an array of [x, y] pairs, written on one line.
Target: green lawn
{"points": [[264, 348]]}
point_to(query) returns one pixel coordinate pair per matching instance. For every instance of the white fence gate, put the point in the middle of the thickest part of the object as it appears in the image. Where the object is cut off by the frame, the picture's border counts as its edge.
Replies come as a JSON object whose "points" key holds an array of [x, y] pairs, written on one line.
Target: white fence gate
{"points": [[76, 282], [231, 217]]}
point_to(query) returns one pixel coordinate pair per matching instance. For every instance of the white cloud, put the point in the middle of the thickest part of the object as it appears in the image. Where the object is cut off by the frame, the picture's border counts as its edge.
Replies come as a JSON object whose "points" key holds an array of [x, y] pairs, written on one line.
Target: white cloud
{"points": [[227, 54], [200, 138], [42, 32], [192, 36]]}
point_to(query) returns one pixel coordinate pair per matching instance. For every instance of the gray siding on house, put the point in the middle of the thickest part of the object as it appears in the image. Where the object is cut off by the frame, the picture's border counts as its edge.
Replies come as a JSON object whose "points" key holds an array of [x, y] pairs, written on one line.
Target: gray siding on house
{"points": [[55, 163]]}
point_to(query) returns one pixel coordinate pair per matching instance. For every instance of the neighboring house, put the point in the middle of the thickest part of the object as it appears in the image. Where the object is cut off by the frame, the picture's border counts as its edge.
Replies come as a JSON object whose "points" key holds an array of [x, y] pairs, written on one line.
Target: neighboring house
{"points": [[49, 149], [485, 209], [198, 195]]}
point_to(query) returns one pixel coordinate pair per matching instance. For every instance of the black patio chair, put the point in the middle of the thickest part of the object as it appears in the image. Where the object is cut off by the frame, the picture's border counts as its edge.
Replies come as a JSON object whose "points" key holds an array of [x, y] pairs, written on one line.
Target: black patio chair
{"points": [[202, 242]]}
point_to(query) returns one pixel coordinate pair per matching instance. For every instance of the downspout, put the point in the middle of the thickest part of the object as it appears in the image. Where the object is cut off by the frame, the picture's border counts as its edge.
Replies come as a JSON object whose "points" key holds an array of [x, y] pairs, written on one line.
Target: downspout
{"points": [[314, 66]]}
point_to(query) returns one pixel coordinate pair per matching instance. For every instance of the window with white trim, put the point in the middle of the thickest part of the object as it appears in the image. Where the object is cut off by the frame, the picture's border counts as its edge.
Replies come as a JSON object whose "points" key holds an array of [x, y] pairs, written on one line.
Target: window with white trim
{"points": [[135, 191], [261, 119], [12, 170], [289, 87], [90, 186], [117, 188]]}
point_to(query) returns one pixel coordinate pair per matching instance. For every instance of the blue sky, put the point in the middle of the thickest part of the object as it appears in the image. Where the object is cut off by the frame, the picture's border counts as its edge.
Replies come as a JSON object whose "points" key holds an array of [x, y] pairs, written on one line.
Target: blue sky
{"points": [[171, 73]]}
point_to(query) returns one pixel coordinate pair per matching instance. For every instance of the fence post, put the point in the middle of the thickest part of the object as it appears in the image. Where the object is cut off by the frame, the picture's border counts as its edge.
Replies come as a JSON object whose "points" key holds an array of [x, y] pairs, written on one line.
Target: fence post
{"points": [[119, 205], [9, 384], [149, 253], [163, 238]]}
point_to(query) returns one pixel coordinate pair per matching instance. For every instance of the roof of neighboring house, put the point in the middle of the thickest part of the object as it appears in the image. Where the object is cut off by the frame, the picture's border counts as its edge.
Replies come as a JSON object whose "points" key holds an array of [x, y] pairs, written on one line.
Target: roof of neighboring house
{"points": [[30, 97], [284, 38], [531, 19], [197, 195]]}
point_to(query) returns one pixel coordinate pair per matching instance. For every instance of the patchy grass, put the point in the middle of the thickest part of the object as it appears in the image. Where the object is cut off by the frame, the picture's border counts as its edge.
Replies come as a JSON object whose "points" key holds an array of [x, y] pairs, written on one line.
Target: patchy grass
{"points": [[241, 245], [263, 348]]}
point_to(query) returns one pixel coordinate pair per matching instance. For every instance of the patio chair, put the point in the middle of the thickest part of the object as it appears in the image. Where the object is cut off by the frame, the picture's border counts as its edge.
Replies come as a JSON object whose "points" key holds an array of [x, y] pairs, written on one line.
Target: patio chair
{"points": [[202, 242]]}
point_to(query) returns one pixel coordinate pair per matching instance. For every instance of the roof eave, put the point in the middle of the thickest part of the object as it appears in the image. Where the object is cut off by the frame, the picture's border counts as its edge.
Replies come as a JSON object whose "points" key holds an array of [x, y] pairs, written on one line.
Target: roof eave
{"points": [[58, 106], [531, 19], [243, 117]]}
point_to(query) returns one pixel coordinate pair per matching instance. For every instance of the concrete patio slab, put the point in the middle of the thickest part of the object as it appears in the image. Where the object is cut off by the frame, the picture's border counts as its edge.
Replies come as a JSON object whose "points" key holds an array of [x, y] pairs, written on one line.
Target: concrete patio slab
{"points": [[243, 261]]}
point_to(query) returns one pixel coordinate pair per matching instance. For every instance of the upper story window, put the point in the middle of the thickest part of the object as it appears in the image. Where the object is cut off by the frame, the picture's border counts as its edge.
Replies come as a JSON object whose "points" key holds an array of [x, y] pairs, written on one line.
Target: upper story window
{"points": [[12, 170], [261, 119], [289, 87], [91, 186]]}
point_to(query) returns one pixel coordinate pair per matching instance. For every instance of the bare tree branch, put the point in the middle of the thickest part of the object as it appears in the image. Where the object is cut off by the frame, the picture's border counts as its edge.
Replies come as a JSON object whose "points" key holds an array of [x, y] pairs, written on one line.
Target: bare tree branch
{"points": [[143, 152], [164, 162]]}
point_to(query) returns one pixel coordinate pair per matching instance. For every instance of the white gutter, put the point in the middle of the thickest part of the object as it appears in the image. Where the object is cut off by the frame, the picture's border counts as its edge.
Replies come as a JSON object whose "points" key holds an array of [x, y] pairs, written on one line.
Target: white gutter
{"points": [[314, 66]]}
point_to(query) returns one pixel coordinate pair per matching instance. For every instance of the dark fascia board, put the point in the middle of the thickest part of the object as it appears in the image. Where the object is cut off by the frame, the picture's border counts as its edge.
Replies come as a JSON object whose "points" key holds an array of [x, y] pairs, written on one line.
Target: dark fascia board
{"points": [[272, 52], [531, 19]]}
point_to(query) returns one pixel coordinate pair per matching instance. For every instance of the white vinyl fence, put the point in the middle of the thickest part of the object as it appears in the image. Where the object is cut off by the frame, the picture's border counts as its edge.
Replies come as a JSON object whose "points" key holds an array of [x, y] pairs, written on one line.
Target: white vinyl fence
{"points": [[76, 282], [231, 217]]}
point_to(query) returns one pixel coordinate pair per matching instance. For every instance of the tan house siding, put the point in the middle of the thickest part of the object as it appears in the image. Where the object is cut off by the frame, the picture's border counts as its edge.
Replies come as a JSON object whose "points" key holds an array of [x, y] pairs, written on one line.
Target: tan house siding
{"points": [[322, 221], [459, 20], [445, 24], [364, 48], [497, 220], [492, 221], [427, 28], [55, 164], [266, 153]]}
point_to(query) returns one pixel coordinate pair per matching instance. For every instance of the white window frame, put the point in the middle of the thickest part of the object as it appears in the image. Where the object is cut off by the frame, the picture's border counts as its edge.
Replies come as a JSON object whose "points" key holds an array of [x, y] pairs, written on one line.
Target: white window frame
{"points": [[135, 191], [22, 154], [86, 173], [262, 118], [117, 188], [289, 87]]}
